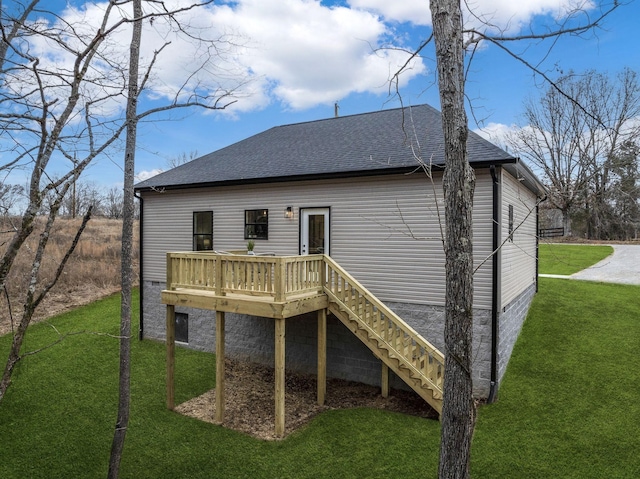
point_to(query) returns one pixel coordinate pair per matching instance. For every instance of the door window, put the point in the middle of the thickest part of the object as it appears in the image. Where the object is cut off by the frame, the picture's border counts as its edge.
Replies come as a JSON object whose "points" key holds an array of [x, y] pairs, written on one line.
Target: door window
{"points": [[314, 235]]}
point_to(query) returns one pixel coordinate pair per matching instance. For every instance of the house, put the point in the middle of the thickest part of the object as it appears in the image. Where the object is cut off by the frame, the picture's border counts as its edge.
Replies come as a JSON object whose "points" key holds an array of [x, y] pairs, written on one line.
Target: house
{"points": [[365, 191]]}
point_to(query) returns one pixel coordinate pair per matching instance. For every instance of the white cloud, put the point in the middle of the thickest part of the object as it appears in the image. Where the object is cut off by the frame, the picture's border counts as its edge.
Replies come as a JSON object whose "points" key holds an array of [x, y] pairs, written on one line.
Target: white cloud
{"points": [[498, 134], [509, 16], [146, 174], [412, 11], [310, 54], [300, 53]]}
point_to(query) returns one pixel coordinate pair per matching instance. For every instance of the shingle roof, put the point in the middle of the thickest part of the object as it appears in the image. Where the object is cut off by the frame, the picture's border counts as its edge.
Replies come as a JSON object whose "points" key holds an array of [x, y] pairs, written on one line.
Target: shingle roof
{"points": [[371, 143]]}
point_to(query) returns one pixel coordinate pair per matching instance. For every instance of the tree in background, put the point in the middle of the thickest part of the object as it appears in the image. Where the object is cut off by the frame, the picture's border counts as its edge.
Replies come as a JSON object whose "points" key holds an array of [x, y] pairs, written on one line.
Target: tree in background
{"points": [[573, 136], [114, 203], [10, 196], [81, 196], [614, 108], [181, 159], [551, 143], [624, 192]]}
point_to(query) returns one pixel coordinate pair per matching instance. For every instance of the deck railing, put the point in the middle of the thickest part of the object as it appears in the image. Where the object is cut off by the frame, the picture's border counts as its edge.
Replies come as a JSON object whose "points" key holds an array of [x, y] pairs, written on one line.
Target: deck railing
{"points": [[279, 277]]}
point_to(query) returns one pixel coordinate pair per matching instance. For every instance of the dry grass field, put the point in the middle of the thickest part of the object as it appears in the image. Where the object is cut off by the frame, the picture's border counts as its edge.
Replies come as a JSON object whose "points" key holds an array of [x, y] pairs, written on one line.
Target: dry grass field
{"points": [[92, 272]]}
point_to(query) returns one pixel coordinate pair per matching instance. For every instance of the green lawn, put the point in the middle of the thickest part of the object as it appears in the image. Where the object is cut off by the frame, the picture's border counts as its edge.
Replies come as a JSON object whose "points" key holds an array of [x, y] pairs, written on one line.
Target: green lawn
{"points": [[569, 407], [567, 259], [570, 403]]}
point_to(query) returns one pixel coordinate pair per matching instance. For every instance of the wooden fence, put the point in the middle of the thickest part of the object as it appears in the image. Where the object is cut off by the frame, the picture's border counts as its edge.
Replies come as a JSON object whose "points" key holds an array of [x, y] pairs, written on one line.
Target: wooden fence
{"points": [[550, 232]]}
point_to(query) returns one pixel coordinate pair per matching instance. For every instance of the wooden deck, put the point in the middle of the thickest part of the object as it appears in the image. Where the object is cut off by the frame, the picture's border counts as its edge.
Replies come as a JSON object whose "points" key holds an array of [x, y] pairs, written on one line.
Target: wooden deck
{"points": [[281, 287], [264, 306], [267, 286]]}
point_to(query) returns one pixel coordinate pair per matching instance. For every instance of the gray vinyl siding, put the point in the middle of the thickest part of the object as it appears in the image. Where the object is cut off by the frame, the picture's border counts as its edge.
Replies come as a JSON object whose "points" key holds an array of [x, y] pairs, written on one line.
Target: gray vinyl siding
{"points": [[483, 239], [518, 257], [384, 230]]}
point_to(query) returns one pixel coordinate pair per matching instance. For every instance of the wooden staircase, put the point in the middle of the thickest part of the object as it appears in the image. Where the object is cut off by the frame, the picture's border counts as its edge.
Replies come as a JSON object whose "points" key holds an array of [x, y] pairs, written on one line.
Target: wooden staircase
{"points": [[418, 363]]}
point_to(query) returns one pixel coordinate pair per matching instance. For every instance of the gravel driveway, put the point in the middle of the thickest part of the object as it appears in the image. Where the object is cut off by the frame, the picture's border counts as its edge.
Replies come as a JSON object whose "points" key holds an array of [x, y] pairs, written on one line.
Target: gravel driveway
{"points": [[623, 266]]}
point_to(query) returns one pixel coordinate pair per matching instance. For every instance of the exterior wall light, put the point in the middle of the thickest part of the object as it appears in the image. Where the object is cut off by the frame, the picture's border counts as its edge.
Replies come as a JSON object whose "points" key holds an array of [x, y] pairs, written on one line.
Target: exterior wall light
{"points": [[288, 212]]}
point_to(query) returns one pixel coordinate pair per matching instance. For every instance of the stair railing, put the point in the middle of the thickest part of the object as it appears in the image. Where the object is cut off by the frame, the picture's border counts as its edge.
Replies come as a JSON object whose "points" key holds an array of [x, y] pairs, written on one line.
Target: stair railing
{"points": [[386, 326]]}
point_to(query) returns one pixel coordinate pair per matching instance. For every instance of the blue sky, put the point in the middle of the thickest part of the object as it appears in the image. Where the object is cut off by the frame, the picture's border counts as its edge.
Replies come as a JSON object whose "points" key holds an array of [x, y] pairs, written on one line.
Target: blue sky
{"points": [[304, 55]]}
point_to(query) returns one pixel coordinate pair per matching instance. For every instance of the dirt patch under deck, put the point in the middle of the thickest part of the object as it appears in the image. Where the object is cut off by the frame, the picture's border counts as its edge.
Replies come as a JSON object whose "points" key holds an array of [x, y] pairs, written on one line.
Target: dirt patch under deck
{"points": [[249, 405]]}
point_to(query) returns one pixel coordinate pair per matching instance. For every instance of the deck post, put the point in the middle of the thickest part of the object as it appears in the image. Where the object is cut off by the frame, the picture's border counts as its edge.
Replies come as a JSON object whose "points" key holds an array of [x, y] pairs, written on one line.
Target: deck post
{"points": [[220, 320], [279, 375], [322, 356], [169, 261], [385, 380], [218, 276], [281, 279], [171, 354]]}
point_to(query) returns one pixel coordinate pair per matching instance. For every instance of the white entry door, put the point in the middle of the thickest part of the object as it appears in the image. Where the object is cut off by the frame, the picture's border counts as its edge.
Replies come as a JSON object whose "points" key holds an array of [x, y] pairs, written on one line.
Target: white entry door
{"points": [[314, 231]]}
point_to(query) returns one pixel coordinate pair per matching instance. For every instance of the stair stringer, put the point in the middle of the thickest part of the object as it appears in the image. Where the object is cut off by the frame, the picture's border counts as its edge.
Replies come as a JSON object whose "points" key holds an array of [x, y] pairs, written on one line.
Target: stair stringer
{"points": [[414, 360], [408, 374]]}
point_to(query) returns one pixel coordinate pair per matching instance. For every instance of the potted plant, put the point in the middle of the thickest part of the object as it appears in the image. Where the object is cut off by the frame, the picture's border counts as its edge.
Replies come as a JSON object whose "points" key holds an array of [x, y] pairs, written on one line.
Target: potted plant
{"points": [[250, 245]]}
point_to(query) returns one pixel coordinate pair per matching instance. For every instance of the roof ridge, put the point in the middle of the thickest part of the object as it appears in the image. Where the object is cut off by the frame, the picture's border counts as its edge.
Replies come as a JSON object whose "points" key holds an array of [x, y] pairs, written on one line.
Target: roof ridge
{"points": [[352, 115]]}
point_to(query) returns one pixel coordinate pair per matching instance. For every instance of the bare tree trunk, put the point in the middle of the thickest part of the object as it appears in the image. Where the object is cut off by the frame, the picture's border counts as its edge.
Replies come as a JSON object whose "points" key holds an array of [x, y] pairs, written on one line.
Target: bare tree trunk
{"points": [[124, 396], [458, 413]]}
